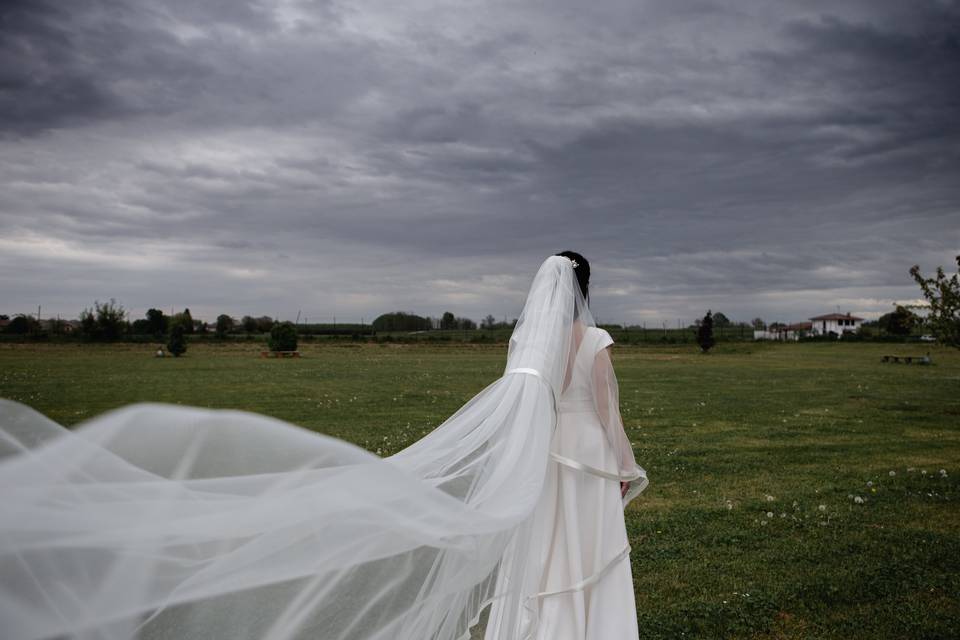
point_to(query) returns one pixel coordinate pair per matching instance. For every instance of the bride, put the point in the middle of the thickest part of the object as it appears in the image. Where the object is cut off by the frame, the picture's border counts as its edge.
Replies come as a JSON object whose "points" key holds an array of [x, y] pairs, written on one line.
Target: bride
{"points": [[157, 521]]}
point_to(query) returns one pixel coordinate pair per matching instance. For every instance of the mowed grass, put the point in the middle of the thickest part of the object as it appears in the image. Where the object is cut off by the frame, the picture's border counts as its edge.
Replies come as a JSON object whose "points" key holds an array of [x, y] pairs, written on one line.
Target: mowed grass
{"points": [[756, 454]]}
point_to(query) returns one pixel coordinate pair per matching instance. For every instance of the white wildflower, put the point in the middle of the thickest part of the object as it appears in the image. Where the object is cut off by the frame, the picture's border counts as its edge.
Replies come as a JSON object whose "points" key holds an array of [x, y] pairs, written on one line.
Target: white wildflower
{"points": [[892, 473], [769, 514], [822, 507], [858, 500], [770, 498], [869, 483]]}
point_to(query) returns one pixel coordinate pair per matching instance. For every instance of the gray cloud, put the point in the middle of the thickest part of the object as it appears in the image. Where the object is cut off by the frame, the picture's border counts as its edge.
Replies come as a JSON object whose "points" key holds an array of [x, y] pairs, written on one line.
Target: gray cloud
{"points": [[353, 158]]}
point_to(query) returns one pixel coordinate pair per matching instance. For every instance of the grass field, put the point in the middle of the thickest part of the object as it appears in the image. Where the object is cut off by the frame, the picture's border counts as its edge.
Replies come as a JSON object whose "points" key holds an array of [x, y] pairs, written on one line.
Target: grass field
{"points": [[796, 489]]}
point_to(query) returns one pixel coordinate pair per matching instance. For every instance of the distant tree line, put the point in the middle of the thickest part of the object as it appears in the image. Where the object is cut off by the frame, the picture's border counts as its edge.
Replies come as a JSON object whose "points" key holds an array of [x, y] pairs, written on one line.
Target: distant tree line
{"points": [[109, 321]]}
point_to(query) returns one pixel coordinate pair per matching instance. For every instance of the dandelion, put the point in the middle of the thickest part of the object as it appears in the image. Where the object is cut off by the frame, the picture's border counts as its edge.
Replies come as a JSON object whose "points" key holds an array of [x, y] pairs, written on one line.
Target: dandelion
{"points": [[943, 472], [892, 473], [770, 498], [763, 523], [729, 507], [783, 515], [869, 483], [769, 514], [858, 500], [822, 507], [923, 472]]}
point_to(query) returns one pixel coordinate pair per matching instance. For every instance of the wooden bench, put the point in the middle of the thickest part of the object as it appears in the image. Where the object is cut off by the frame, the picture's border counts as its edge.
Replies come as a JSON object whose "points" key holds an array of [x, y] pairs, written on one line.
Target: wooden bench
{"points": [[279, 354], [907, 359]]}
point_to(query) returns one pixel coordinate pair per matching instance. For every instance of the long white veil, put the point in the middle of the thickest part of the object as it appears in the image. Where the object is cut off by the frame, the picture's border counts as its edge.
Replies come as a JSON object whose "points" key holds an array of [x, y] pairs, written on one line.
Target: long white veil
{"points": [[155, 521]]}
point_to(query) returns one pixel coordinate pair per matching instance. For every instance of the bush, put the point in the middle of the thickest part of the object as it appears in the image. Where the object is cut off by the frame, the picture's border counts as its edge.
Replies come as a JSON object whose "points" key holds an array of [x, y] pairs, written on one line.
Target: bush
{"points": [[283, 337], [177, 345]]}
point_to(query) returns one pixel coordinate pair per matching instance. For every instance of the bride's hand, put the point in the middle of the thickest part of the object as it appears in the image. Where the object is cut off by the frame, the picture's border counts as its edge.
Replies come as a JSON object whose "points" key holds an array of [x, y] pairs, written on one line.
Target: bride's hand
{"points": [[624, 487]]}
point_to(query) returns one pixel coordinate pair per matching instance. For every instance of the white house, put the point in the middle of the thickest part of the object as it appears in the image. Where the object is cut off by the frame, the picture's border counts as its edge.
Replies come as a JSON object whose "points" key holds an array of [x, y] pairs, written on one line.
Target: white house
{"points": [[838, 323]]}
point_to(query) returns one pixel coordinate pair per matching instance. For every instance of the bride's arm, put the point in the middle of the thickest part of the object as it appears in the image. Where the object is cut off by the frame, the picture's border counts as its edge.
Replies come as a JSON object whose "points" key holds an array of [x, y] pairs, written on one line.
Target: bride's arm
{"points": [[606, 394]]}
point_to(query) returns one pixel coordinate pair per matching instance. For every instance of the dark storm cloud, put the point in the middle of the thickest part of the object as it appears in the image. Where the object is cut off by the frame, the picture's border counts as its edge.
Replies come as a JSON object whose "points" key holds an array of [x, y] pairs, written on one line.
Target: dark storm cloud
{"points": [[352, 158]]}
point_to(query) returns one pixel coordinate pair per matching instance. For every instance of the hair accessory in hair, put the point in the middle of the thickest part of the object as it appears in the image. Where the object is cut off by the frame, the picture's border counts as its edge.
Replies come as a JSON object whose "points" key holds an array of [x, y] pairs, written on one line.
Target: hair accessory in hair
{"points": [[575, 263]]}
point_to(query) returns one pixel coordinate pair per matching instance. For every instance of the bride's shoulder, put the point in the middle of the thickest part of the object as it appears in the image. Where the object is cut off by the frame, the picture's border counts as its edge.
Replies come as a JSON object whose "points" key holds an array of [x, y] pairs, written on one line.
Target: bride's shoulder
{"points": [[604, 339]]}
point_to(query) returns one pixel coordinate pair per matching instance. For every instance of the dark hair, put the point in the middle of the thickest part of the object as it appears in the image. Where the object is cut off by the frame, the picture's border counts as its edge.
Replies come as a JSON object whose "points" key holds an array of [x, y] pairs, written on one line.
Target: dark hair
{"points": [[582, 271]]}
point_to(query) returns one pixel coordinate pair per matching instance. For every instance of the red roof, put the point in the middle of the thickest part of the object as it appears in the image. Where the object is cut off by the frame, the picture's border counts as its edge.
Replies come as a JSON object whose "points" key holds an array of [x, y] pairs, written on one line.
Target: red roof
{"points": [[837, 316]]}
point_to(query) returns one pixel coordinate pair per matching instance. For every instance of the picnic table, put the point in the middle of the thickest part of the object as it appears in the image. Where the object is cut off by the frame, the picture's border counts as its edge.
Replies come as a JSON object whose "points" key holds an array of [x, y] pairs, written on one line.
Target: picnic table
{"points": [[907, 359]]}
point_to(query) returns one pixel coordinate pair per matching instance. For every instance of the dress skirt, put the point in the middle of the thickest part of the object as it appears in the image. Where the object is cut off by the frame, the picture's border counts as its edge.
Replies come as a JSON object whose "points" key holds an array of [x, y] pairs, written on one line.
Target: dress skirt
{"points": [[587, 584]]}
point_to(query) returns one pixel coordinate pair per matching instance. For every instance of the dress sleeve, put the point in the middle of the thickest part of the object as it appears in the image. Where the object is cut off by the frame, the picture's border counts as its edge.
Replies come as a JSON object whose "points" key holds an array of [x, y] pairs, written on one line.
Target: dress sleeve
{"points": [[606, 396]]}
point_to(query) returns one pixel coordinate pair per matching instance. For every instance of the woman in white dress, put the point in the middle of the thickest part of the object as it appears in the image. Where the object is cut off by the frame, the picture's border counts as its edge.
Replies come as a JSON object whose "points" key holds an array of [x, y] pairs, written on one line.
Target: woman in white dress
{"points": [[586, 586], [157, 521]]}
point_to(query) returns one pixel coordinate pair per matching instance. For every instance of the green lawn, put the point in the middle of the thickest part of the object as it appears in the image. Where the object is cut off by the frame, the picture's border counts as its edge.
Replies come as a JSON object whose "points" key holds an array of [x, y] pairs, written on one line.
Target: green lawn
{"points": [[756, 454]]}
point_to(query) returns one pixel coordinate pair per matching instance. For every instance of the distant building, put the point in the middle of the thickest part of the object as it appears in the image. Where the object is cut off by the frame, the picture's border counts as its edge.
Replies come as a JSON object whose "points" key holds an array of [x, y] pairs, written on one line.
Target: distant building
{"points": [[836, 323]]}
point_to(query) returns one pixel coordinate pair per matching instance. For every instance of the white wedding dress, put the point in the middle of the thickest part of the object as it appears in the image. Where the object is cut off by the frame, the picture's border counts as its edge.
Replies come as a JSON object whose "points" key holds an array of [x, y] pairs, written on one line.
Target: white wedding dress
{"points": [[586, 590], [166, 522]]}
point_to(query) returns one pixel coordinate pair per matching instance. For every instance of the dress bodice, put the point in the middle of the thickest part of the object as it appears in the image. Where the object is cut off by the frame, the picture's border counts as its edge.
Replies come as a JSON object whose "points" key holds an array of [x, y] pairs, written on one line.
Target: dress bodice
{"points": [[578, 394]]}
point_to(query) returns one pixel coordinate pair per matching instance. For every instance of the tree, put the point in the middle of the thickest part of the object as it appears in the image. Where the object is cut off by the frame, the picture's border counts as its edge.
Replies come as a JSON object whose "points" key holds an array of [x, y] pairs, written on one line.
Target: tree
{"points": [[448, 321], [249, 324], [721, 321], [111, 319], [943, 295], [264, 324], [489, 322], [899, 322], [466, 324], [156, 322], [401, 321], [758, 324], [22, 324], [88, 324], [283, 337], [177, 344], [224, 325], [705, 333], [106, 321], [187, 321], [57, 326]]}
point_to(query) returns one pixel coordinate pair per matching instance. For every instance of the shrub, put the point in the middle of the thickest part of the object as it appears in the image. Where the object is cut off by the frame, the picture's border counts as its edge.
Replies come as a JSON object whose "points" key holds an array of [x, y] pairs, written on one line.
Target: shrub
{"points": [[283, 337]]}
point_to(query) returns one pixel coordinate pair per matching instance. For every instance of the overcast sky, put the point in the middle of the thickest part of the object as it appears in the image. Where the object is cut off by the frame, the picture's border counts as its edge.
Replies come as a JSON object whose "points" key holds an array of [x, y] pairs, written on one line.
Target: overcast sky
{"points": [[760, 158]]}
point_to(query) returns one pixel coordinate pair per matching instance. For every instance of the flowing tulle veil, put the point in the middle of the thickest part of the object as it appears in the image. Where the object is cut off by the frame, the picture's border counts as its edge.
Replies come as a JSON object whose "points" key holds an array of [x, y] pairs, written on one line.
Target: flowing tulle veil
{"points": [[157, 521]]}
